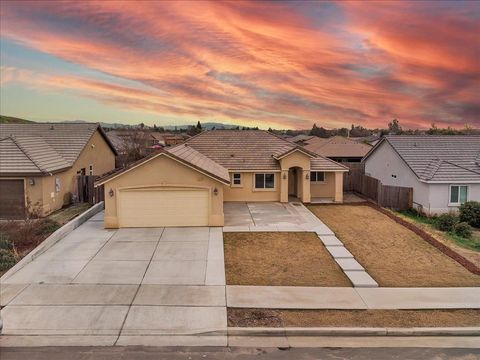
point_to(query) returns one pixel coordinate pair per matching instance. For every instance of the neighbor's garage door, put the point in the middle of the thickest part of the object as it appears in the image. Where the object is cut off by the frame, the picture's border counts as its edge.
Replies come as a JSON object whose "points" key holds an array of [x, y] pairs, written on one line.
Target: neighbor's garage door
{"points": [[165, 207], [12, 199]]}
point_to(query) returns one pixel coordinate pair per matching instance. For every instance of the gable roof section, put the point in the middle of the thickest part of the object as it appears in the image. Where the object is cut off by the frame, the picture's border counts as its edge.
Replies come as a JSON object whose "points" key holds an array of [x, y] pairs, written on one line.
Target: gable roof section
{"points": [[337, 146], [66, 139], [247, 149], [183, 154], [437, 158]]}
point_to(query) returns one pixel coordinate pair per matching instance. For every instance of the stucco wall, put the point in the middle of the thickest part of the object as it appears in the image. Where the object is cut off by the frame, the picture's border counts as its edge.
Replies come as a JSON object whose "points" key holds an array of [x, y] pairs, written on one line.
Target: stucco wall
{"points": [[163, 171], [439, 195], [325, 189], [96, 152], [247, 191], [385, 162]]}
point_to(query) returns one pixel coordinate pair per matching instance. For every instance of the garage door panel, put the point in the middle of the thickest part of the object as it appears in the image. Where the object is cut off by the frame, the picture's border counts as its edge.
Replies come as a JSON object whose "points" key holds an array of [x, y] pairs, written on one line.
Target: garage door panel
{"points": [[12, 195], [165, 207]]}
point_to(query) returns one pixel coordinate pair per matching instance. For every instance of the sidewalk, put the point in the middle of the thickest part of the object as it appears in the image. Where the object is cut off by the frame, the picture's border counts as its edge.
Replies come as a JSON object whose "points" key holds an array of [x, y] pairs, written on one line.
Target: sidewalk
{"points": [[294, 297]]}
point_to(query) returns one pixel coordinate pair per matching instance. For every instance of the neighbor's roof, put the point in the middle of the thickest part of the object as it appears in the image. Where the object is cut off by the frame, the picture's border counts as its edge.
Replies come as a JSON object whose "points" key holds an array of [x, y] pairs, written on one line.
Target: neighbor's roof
{"points": [[49, 147], [337, 146], [247, 149], [300, 138], [184, 154], [438, 158]]}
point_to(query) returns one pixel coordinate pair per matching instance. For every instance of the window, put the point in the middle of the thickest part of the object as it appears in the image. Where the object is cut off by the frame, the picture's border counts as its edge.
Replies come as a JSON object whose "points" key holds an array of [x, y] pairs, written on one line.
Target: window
{"points": [[458, 194], [57, 184], [264, 181], [237, 179], [90, 170], [317, 176]]}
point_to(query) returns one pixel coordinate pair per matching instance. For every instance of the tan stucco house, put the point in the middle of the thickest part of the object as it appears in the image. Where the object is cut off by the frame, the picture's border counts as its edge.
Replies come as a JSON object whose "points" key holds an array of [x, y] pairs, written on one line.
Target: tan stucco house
{"points": [[39, 163], [187, 185]]}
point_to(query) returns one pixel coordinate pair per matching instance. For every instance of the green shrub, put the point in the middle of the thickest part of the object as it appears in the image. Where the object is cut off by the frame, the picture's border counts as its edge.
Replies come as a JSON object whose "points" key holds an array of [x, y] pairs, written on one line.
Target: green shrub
{"points": [[7, 259], [463, 229], [470, 213], [5, 243], [46, 227], [446, 222]]}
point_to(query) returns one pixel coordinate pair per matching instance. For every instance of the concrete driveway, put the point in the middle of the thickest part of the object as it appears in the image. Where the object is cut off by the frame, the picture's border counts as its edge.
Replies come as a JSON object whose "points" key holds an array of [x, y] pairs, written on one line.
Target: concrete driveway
{"points": [[143, 286], [271, 216]]}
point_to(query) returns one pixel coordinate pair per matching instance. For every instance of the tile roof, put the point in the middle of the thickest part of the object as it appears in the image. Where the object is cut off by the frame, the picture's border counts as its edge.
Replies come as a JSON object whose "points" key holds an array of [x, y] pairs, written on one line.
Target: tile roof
{"points": [[439, 158], [200, 161], [49, 147], [247, 149], [337, 146], [182, 153]]}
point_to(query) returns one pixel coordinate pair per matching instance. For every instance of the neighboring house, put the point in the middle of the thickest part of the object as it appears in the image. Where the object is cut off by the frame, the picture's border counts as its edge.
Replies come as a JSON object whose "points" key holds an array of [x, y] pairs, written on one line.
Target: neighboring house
{"points": [[337, 148], [169, 139], [39, 163], [444, 171], [186, 185], [300, 139]]}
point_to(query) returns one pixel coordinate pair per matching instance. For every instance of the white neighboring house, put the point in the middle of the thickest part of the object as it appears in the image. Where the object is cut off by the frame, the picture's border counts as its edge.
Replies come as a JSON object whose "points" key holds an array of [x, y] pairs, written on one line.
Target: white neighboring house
{"points": [[443, 170]]}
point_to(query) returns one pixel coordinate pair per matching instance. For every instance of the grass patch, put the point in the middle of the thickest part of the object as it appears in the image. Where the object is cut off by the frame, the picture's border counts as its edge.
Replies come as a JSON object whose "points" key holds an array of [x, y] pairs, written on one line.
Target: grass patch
{"points": [[392, 254], [352, 318], [280, 259], [430, 222]]}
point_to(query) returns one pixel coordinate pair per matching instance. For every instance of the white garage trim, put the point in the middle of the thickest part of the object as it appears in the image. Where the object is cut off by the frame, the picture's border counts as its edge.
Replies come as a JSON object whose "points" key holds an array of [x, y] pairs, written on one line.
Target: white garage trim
{"points": [[158, 206]]}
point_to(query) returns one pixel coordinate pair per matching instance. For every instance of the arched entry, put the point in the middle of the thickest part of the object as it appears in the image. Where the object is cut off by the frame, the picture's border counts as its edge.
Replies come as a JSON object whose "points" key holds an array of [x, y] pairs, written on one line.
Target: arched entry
{"points": [[295, 183]]}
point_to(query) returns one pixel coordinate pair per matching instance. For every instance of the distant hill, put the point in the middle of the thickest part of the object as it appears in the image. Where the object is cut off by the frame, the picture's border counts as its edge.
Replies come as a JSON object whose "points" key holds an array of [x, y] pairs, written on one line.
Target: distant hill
{"points": [[13, 120]]}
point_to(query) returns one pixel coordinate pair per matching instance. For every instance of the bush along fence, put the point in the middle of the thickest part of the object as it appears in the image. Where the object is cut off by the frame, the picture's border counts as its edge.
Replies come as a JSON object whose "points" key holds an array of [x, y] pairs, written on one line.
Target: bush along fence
{"points": [[87, 192], [395, 197]]}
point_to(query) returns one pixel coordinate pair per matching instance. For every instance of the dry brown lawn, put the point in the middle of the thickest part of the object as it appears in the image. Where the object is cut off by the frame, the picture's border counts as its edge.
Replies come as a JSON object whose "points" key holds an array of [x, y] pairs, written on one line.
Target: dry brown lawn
{"points": [[352, 318], [393, 255], [280, 259]]}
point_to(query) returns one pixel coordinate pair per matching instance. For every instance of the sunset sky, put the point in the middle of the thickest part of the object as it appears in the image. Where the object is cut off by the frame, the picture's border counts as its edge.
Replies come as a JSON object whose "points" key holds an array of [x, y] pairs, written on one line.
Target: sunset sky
{"points": [[267, 64]]}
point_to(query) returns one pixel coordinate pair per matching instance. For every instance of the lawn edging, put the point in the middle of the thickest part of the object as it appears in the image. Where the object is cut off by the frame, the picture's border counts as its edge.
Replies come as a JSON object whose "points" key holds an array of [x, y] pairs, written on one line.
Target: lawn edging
{"points": [[353, 331], [55, 237], [470, 266]]}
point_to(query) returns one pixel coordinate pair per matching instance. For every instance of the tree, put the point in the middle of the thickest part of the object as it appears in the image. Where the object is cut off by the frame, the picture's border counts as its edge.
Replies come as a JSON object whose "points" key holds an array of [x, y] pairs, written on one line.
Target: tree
{"points": [[199, 126], [319, 131], [394, 127]]}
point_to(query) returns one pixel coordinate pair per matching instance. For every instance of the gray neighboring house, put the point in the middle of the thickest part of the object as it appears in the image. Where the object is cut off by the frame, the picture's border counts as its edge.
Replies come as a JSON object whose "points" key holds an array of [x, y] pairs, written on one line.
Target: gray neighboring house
{"points": [[444, 171]]}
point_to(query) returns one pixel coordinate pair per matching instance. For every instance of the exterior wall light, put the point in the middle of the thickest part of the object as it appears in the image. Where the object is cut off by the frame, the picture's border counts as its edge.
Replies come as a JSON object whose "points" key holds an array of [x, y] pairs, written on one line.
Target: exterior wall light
{"points": [[284, 176], [215, 191], [110, 192], [31, 182], [307, 176]]}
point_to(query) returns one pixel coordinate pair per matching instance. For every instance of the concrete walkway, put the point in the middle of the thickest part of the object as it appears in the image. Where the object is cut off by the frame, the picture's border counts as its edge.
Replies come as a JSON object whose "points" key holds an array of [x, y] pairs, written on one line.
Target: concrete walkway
{"points": [[145, 286], [295, 297], [293, 216]]}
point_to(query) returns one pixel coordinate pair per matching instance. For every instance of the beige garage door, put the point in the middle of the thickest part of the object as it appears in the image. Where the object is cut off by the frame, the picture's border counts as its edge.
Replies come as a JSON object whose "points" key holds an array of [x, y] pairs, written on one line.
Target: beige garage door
{"points": [[163, 207]]}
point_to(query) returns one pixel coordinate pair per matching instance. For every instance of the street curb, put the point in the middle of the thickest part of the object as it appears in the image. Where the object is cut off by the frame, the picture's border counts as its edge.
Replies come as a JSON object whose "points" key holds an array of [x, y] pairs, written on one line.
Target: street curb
{"points": [[351, 331], [54, 238]]}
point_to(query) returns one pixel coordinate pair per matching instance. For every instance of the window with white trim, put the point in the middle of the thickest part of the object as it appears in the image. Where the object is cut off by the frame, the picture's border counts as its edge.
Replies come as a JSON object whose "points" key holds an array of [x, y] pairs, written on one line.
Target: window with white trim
{"points": [[317, 176], [236, 179], [458, 194], [265, 181], [90, 170]]}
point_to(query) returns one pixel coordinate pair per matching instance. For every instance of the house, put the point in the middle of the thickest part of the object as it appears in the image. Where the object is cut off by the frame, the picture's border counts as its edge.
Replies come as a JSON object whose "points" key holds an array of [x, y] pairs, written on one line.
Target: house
{"points": [[444, 171], [300, 139], [169, 139], [337, 148], [39, 163], [186, 185]]}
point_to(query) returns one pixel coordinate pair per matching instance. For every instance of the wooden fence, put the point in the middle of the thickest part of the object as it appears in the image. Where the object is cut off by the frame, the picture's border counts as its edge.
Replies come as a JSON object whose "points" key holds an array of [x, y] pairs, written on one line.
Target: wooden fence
{"points": [[87, 192], [396, 197]]}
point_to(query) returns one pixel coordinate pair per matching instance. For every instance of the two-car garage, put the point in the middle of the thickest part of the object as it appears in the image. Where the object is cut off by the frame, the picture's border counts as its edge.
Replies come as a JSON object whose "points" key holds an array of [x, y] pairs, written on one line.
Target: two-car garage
{"points": [[12, 199], [169, 189], [158, 207]]}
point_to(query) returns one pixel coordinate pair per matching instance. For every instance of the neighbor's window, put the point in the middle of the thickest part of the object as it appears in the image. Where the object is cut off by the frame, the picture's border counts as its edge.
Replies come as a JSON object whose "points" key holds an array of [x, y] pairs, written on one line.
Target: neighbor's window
{"points": [[317, 176], [264, 181], [57, 185], [90, 170], [237, 179], [458, 194]]}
